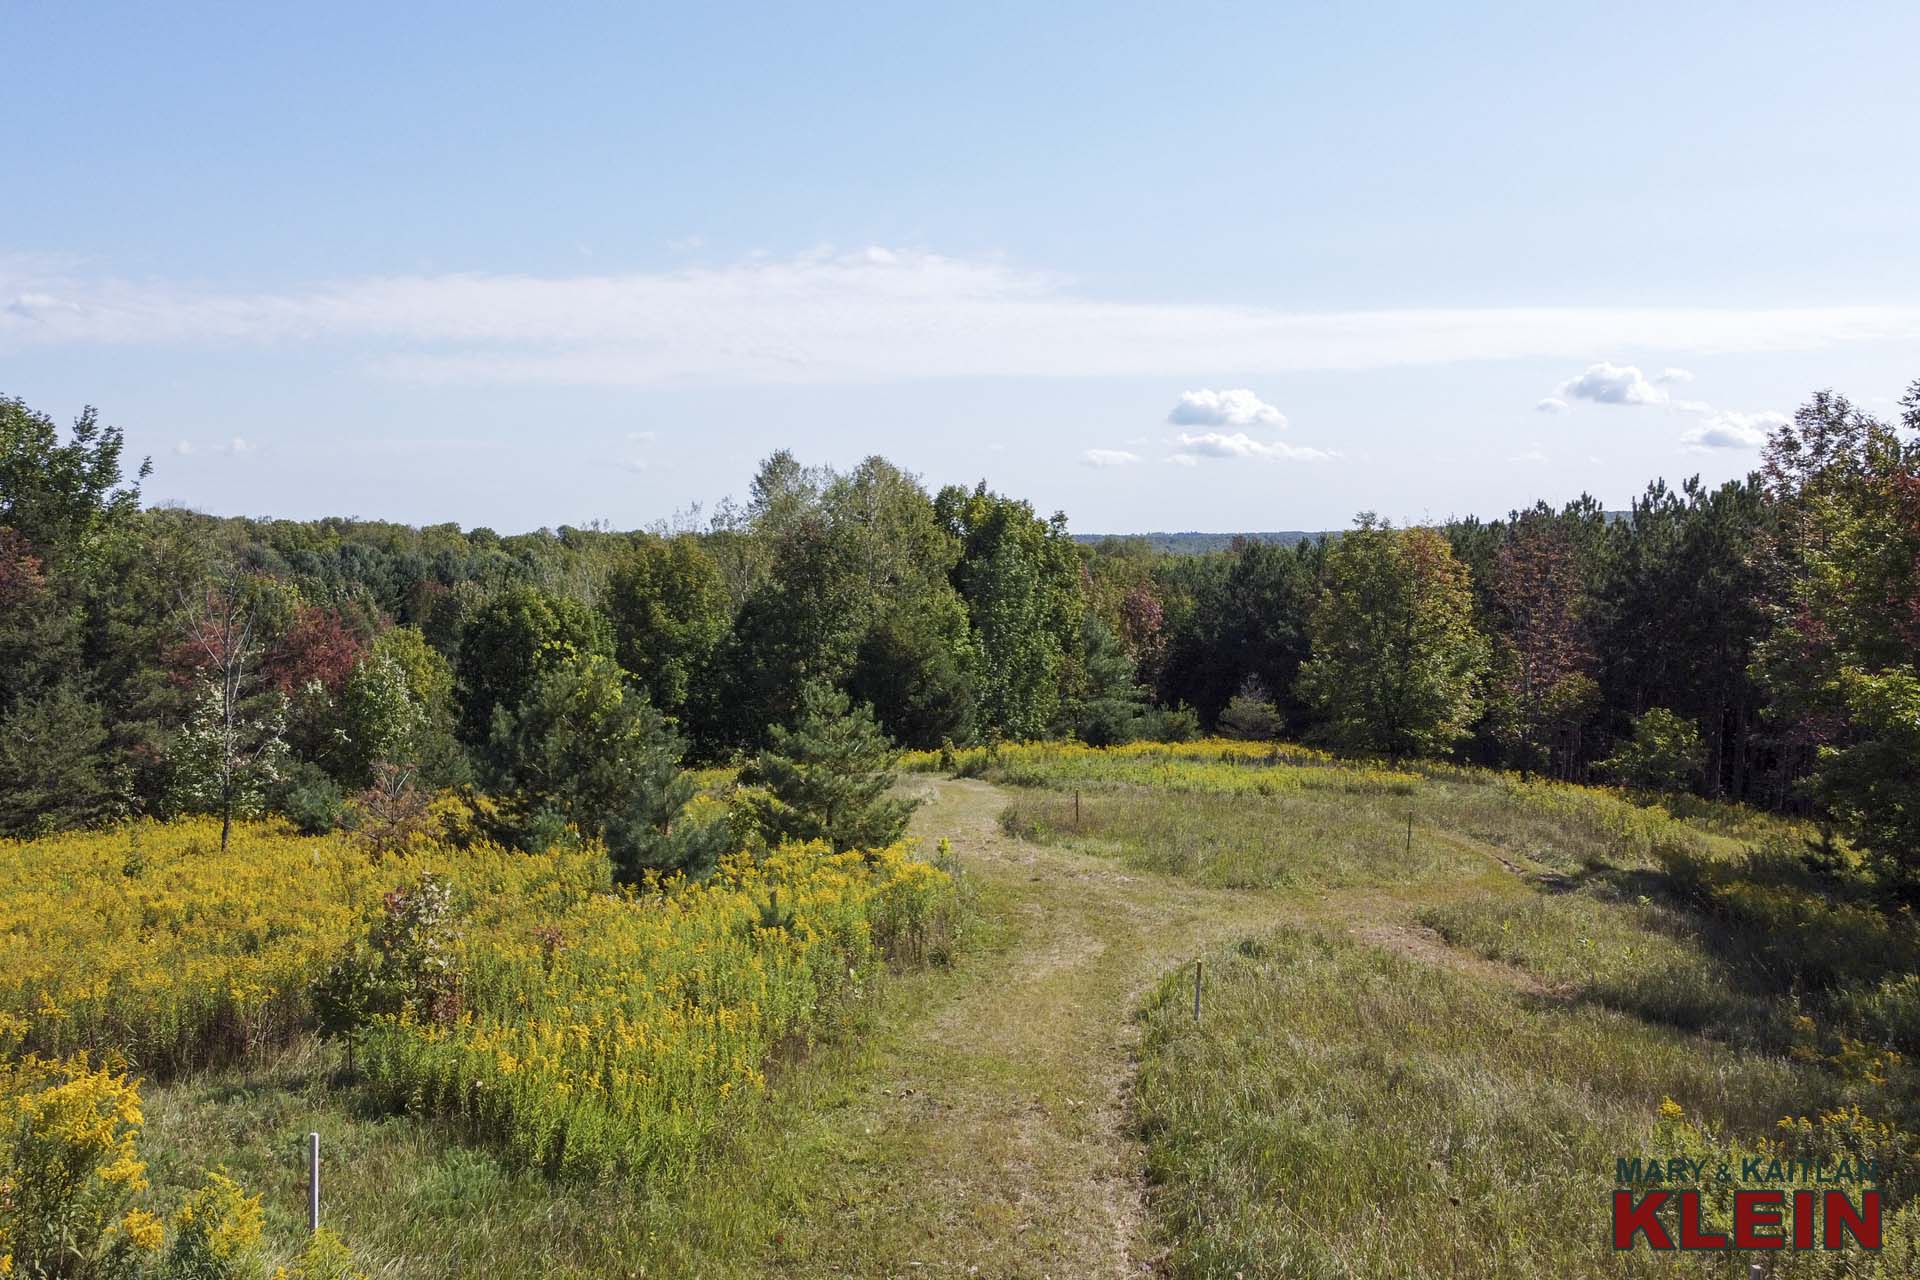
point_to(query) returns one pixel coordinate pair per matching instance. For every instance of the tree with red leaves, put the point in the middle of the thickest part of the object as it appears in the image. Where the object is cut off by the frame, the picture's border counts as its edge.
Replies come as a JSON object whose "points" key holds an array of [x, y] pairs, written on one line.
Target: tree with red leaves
{"points": [[1541, 680], [318, 647]]}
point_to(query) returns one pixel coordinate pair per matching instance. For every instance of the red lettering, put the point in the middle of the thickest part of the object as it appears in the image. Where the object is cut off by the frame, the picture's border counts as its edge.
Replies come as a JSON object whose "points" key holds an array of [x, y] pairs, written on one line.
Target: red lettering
{"points": [[1629, 1220], [1803, 1219], [1691, 1236], [1753, 1210], [1863, 1226]]}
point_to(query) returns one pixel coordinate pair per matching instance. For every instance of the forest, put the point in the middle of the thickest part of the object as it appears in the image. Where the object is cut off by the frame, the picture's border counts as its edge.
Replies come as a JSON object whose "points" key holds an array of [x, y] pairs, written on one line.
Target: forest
{"points": [[1754, 642]]}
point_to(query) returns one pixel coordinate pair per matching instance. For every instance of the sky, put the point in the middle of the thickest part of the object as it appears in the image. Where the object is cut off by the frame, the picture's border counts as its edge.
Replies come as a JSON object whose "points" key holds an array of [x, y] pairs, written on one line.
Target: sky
{"points": [[1162, 267]]}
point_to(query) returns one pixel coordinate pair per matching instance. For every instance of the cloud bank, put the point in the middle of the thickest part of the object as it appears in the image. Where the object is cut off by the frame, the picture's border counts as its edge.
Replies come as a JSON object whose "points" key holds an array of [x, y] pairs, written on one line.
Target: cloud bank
{"points": [[869, 316]]}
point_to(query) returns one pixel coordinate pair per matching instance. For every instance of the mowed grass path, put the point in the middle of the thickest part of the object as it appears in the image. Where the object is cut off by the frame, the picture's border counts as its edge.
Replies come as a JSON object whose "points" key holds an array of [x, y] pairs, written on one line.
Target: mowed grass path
{"points": [[997, 1136]]}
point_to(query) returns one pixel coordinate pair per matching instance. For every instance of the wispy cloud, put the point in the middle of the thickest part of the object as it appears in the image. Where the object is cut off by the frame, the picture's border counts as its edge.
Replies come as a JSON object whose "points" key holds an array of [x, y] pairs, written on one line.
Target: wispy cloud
{"points": [[874, 315], [1218, 444], [1552, 404], [1726, 429], [1109, 458]]}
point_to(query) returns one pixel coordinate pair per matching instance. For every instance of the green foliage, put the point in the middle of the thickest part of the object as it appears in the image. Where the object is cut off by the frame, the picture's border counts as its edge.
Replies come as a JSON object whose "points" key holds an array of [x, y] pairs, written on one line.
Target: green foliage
{"points": [[912, 668], [1396, 654], [1843, 661], [225, 760], [309, 798], [1106, 706], [1020, 578], [64, 499], [826, 778], [1664, 753], [586, 748], [404, 966], [54, 760], [513, 640], [1871, 785], [1250, 714], [668, 607]]}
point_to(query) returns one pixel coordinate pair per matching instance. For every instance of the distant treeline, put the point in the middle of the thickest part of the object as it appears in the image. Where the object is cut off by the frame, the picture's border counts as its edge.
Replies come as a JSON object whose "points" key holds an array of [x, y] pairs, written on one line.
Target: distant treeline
{"points": [[1754, 641], [1194, 543]]}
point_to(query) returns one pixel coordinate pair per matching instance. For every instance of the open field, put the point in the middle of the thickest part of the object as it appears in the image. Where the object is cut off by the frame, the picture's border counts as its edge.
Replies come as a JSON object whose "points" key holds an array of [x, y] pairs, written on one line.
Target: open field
{"points": [[1420, 1051]]}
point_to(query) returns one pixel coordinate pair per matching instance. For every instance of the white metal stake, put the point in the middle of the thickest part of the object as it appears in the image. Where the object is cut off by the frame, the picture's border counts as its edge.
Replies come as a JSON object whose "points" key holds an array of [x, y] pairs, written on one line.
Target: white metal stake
{"points": [[313, 1182]]}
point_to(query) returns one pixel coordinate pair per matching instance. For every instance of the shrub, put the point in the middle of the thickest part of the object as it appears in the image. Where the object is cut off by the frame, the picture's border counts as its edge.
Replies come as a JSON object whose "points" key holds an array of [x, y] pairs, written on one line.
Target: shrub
{"points": [[1250, 714], [1664, 754]]}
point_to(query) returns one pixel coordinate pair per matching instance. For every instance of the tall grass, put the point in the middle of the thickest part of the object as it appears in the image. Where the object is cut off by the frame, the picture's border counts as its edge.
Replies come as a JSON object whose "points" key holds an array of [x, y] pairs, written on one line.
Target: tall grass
{"points": [[1344, 1111]]}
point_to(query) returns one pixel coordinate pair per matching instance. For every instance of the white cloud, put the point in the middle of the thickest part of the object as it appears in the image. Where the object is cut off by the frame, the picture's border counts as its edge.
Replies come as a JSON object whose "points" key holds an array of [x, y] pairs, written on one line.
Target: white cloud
{"points": [[237, 446], [1235, 408], [1531, 455], [1606, 383], [1109, 458], [870, 316], [1216, 444], [1726, 429], [1671, 375], [183, 447], [1552, 404]]}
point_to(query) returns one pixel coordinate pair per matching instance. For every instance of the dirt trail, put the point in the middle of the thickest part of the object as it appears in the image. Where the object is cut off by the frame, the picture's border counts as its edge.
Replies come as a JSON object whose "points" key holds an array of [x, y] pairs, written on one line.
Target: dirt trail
{"points": [[996, 1141]]}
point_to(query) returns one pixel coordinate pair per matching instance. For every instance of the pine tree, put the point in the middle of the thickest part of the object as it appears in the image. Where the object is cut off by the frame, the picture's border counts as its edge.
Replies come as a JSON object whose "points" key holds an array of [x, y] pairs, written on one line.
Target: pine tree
{"points": [[827, 777]]}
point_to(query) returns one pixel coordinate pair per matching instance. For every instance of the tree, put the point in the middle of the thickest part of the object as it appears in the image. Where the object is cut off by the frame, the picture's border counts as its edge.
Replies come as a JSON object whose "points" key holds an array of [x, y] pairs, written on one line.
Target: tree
{"points": [[668, 606], [826, 778], [1021, 579], [1395, 654], [1664, 754], [1843, 658], [232, 747], [63, 499], [911, 668], [54, 762], [1237, 614], [586, 748], [510, 642], [1250, 714], [1106, 707], [1540, 651], [1679, 604]]}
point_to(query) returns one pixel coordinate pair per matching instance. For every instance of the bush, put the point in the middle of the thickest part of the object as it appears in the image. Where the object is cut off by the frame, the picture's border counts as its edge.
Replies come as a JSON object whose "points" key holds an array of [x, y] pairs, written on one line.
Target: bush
{"points": [[1664, 754], [1250, 714], [311, 800], [1173, 724]]}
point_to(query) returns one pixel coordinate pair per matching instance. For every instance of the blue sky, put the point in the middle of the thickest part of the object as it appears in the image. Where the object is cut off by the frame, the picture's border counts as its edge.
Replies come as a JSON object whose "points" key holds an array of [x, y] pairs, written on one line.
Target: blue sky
{"points": [[1218, 267]]}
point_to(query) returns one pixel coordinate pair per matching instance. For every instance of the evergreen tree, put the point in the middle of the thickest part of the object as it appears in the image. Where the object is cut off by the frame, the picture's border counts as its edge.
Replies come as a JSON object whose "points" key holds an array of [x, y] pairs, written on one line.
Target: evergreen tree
{"points": [[1250, 714], [586, 748], [826, 778], [54, 764]]}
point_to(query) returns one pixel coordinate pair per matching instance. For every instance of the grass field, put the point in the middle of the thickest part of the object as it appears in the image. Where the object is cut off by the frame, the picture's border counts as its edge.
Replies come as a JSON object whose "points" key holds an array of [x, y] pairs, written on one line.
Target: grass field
{"points": [[1438, 1005]]}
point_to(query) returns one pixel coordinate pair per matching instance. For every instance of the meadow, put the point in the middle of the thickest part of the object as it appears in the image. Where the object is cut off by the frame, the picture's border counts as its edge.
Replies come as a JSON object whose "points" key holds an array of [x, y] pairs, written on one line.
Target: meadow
{"points": [[1485, 991], [518, 1005], [1439, 1003]]}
